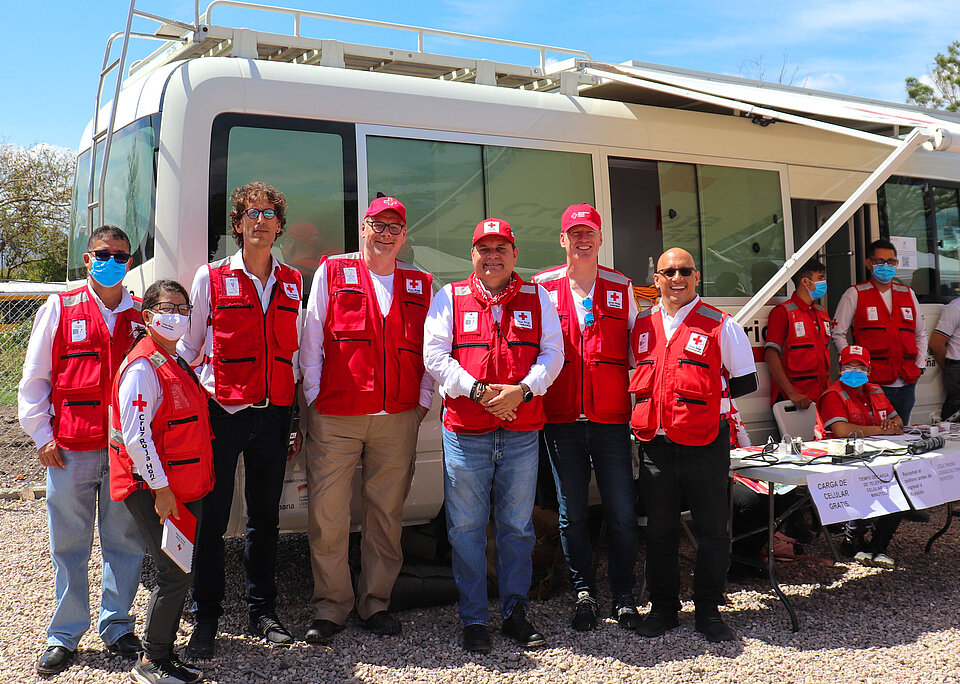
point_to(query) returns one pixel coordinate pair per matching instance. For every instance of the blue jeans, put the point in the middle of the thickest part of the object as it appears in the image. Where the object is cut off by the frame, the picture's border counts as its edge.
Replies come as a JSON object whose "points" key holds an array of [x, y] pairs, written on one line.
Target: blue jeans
{"points": [[504, 463], [903, 398], [76, 495], [572, 448]]}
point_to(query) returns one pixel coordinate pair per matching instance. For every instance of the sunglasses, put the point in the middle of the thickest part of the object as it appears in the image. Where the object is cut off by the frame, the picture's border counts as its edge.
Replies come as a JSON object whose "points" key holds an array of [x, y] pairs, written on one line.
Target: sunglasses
{"points": [[685, 271], [170, 307], [254, 214], [379, 227], [106, 255], [588, 305]]}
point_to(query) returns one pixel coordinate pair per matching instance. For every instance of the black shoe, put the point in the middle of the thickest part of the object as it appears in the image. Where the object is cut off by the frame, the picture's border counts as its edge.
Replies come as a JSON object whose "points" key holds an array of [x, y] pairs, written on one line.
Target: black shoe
{"points": [[585, 613], [657, 623], [160, 671], [127, 647], [382, 623], [476, 638], [54, 660], [202, 642], [518, 628], [711, 625], [322, 632], [269, 627], [188, 673], [625, 612], [741, 573]]}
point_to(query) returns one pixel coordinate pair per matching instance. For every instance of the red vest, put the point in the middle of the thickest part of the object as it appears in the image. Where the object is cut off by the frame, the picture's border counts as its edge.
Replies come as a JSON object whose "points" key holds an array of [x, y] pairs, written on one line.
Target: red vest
{"points": [[677, 383], [890, 337], [85, 360], [878, 407], [371, 362], [494, 353], [806, 350], [181, 431], [593, 381], [252, 351]]}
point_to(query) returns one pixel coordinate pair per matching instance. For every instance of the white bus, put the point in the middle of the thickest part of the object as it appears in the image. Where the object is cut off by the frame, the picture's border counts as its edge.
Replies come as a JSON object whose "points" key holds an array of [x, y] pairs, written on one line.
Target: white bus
{"points": [[738, 172]]}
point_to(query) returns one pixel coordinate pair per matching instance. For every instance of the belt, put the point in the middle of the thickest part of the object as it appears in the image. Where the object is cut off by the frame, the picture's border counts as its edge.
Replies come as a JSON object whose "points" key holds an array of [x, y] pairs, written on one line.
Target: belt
{"points": [[263, 403]]}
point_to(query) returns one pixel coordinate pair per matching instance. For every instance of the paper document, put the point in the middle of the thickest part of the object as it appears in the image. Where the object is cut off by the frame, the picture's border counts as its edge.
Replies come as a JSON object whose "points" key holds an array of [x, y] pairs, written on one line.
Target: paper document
{"points": [[178, 537]]}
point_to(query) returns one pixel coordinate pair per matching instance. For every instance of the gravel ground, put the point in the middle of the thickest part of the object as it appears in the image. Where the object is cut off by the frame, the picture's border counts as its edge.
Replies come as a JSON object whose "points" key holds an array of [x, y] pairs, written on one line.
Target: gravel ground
{"points": [[858, 625]]}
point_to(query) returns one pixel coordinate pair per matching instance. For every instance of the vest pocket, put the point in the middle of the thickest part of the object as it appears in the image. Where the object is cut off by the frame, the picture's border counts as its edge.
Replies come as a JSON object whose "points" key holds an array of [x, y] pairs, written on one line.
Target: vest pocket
{"points": [[641, 384], [285, 327], [80, 371], [694, 408], [614, 337], [348, 313], [181, 436], [608, 381], [81, 419]]}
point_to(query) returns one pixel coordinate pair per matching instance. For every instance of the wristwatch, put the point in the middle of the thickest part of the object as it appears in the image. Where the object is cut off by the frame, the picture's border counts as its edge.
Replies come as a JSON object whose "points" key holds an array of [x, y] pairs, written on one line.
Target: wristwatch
{"points": [[527, 392]]}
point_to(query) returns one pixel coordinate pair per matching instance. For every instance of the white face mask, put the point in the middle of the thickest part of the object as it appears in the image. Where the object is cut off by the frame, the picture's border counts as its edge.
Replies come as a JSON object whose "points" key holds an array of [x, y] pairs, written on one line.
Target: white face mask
{"points": [[170, 326]]}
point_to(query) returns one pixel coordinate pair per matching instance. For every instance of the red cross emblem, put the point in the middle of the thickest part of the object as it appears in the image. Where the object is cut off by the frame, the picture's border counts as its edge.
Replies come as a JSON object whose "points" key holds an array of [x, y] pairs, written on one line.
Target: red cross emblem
{"points": [[139, 403], [179, 547], [523, 317], [698, 339]]}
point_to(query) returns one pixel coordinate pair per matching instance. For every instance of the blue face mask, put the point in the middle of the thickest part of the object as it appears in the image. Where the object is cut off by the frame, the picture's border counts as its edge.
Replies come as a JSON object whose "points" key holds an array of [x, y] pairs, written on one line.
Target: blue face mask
{"points": [[819, 289], [108, 273], [884, 273], [853, 378]]}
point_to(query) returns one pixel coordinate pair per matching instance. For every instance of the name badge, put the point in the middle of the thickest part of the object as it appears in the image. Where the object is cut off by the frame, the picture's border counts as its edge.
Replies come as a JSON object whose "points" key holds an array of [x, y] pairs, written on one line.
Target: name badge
{"points": [[614, 299], [461, 290], [350, 275], [643, 343], [78, 330], [883, 414], [552, 294], [697, 343], [523, 319], [799, 330], [907, 312], [826, 325], [232, 285], [290, 289], [470, 321], [414, 286], [872, 314]]}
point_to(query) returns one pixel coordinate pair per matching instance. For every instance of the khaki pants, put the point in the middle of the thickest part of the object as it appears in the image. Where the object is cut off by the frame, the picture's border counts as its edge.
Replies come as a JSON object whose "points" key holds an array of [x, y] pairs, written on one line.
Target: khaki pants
{"points": [[386, 448]]}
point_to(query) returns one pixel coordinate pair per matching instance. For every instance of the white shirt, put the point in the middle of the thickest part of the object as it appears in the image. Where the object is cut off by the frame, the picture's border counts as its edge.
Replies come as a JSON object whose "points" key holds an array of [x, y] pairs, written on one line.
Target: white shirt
{"points": [[139, 395], [33, 394], [454, 380], [198, 342], [311, 349], [949, 325], [632, 310], [843, 320]]}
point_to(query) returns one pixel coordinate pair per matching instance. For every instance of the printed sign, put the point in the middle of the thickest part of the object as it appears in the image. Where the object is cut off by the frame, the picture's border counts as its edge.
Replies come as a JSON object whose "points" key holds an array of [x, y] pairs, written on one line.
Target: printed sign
{"points": [[948, 473], [920, 481], [697, 343], [855, 493], [78, 330], [232, 286], [470, 321]]}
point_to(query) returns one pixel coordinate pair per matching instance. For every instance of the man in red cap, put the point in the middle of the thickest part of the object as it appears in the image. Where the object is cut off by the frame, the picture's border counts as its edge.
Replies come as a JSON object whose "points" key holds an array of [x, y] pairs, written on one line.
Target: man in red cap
{"points": [[494, 344], [363, 378], [588, 414]]}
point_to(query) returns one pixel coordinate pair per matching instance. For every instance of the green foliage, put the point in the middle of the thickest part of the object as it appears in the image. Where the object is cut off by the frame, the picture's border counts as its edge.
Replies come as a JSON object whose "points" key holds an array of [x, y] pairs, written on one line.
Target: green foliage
{"points": [[35, 196], [945, 75], [13, 349]]}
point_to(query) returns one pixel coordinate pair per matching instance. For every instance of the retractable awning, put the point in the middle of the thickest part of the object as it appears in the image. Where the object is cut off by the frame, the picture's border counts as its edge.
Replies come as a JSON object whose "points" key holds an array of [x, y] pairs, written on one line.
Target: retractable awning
{"points": [[851, 117]]}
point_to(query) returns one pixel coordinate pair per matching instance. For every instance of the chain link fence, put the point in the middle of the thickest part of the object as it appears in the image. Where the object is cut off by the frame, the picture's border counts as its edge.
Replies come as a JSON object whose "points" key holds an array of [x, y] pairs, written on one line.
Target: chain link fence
{"points": [[18, 305]]}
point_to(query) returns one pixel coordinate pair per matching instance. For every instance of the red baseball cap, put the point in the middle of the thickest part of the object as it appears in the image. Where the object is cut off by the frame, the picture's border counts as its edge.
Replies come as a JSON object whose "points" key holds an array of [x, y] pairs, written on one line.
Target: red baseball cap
{"points": [[579, 215], [855, 352], [493, 226], [386, 204]]}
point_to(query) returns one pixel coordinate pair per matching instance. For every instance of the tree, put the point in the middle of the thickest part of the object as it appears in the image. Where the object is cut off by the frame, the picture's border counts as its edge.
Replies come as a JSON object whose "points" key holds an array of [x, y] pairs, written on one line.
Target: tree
{"points": [[756, 69], [35, 199], [944, 93]]}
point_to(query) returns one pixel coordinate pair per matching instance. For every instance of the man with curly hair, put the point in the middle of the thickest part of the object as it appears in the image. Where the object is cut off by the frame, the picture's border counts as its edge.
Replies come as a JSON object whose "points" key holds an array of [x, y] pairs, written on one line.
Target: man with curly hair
{"points": [[245, 336]]}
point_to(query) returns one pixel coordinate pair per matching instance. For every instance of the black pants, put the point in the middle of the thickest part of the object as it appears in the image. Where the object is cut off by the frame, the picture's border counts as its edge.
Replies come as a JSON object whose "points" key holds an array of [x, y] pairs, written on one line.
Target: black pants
{"points": [[166, 600], [670, 475], [261, 434], [951, 382]]}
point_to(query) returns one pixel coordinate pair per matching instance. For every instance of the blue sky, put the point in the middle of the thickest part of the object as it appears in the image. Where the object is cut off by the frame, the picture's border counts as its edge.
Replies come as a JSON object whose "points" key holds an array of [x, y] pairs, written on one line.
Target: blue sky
{"points": [[53, 48]]}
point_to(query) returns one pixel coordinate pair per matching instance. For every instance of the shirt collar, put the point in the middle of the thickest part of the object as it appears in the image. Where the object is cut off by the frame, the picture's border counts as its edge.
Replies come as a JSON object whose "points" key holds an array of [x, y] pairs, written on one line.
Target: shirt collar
{"points": [[683, 311], [799, 302], [126, 301], [236, 263]]}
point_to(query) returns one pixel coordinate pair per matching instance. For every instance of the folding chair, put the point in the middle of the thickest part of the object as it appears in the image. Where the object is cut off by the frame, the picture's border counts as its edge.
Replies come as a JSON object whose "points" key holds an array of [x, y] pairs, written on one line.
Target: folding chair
{"points": [[795, 422]]}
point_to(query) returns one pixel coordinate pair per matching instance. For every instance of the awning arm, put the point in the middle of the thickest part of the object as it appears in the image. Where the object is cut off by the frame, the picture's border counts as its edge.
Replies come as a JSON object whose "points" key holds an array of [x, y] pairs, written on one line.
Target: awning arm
{"points": [[904, 149]]}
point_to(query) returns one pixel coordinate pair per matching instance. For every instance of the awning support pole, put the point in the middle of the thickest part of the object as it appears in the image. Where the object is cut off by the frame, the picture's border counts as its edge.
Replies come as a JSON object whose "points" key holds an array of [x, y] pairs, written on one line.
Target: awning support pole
{"points": [[907, 147]]}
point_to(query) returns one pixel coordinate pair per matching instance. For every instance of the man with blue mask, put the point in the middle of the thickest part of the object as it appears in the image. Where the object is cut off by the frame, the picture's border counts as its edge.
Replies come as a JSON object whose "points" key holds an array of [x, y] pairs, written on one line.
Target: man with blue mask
{"points": [[79, 339], [884, 318], [797, 350], [853, 407]]}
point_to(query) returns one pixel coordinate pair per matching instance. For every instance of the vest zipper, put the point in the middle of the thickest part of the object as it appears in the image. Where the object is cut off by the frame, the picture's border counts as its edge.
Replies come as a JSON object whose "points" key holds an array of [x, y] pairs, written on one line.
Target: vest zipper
{"points": [[383, 355]]}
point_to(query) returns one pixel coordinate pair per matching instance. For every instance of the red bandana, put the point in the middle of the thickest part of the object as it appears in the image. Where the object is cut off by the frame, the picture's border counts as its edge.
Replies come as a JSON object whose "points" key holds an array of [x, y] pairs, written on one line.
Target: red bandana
{"points": [[476, 287]]}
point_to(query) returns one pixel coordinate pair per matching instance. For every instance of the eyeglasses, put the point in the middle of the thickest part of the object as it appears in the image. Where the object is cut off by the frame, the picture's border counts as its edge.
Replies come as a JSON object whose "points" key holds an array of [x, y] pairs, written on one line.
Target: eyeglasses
{"points": [[844, 369], [888, 262], [588, 305], [170, 307], [379, 227], [106, 255], [254, 214], [685, 271]]}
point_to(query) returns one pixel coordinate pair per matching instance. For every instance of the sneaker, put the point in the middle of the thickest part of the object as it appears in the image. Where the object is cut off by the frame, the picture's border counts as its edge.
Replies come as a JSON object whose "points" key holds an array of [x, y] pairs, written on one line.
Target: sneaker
{"points": [[322, 632], [518, 628], [658, 622], [875, 560], [625, 612], [476, 638], [268, 627], [382, 623], [585, 613], [188, 672], [202, 642], [161, 671]]}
